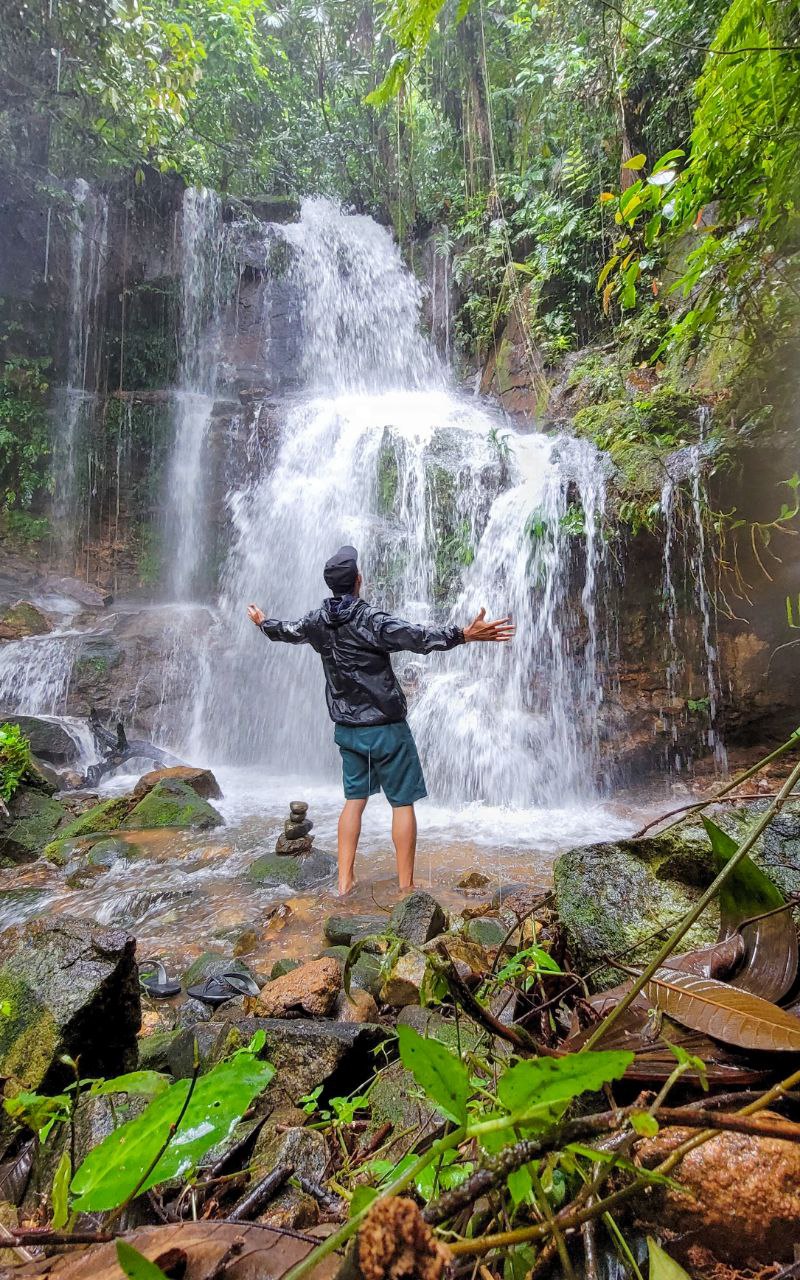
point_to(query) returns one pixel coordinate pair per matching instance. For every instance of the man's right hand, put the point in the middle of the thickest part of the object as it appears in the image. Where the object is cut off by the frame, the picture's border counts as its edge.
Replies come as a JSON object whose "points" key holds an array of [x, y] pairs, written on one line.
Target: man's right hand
{"points": [[256, 615], [502, 629]]}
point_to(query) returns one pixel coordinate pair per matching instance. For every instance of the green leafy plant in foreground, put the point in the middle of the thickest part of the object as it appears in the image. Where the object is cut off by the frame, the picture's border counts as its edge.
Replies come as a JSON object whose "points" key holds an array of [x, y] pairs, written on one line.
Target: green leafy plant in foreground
{"points": [[134, 1264], [15, 759]]}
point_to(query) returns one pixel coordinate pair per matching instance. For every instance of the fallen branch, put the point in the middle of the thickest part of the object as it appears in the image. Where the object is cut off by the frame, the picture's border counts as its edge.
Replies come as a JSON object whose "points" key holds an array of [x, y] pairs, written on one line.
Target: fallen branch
{"points": [[261, 1193]]}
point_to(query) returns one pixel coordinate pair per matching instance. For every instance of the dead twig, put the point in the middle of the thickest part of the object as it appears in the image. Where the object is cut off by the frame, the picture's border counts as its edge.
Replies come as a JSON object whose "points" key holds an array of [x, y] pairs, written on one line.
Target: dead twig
{"points": [[261, 1193]]}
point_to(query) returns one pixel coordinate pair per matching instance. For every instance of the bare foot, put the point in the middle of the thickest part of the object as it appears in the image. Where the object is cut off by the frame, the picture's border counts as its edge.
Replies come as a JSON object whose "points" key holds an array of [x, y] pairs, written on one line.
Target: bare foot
{"points": [[408, 888], [346, 889]]}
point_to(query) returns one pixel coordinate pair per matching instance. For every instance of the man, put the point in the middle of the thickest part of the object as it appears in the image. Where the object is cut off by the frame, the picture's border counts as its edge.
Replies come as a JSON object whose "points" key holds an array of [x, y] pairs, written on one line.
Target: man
{"points": [[367, 704]]}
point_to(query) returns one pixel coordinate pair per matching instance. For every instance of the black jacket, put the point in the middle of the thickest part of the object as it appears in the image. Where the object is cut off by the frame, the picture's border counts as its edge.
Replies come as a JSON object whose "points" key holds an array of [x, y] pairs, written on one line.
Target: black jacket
{"points": [[354, 641]]}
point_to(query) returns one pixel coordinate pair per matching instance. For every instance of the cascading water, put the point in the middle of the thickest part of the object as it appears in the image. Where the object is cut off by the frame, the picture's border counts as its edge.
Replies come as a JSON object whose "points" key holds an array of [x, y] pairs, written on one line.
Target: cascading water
{"points": [[75, 402], [450, 510], [186, 517]]}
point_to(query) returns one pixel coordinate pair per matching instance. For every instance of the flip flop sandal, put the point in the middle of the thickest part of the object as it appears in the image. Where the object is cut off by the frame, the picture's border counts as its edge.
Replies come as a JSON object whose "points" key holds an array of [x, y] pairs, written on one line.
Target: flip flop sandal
{"points": [[157, 984], [221, 987]]}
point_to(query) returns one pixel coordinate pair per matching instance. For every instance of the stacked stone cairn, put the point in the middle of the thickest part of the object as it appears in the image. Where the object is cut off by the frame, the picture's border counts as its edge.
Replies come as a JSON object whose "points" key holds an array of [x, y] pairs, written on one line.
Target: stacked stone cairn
{"points": [[295, 839]]}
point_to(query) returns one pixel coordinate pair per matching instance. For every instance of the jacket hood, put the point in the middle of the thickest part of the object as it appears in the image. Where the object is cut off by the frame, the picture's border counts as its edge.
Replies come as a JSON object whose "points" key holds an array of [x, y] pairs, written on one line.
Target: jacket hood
{"points": [[339, 609]]}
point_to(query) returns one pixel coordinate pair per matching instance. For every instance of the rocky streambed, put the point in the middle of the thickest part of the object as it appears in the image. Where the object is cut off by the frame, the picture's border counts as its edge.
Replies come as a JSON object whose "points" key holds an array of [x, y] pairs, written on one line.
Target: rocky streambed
{"points": [[490, 971]]}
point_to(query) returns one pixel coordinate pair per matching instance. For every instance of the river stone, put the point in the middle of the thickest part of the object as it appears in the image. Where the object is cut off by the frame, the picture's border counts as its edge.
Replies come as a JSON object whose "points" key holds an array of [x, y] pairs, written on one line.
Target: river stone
{"points": [[312, 989], [106, 816], [471, 960], [72, 989], [365, 973], [154, 1050], [343, 931], [417, 918], [358, 1006], [201, 781], [737, 1195], [307, 1152], [273, 870], [487, 931], [433, 1025], [404, 980], [49, 740], [295, 829], [284, 966], [172, 803], [307, 1052], [33, 817]]}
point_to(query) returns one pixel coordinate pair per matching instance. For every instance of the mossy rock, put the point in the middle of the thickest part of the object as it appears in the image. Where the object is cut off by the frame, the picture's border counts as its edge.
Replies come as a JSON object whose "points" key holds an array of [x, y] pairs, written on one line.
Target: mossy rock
{"points": [[488, 931], [305, 872], [154, 1050], [109, 815], [366, 973], [172, 804], [282, 967], [32, 821], [24, 619]]}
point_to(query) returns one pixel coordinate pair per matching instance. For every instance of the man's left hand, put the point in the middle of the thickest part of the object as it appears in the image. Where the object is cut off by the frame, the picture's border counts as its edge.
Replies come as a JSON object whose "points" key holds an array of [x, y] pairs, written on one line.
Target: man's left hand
{"points": [[256, 615]]}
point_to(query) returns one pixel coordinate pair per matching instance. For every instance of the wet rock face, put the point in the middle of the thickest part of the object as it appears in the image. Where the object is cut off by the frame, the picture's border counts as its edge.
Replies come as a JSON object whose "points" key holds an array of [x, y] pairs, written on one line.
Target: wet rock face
{"points": [[32, 820], [49, 740], [23, 619], [739, 1195], [72, 989]]}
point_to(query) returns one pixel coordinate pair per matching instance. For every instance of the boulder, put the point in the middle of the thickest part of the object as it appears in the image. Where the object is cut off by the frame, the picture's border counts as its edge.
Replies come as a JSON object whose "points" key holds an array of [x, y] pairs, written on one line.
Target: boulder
{"points": [[72, 989], [307, 1152], [612, 899], [106, 816], [272, 870], [48, 739], [283, 966], [172, 803], [487, 931], [738, 1195], [404, 980], [417, 918], [33, 817], [23, 619], [307, 1052], [312, 989], [344, 930], [365, 973], [201, 781], [358, 1006], [396, 1099], [432, 1024]]}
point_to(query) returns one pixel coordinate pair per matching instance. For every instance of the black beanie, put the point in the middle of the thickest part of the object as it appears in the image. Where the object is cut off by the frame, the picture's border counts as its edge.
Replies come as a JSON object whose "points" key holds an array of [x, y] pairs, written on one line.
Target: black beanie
{"points": [[341, 571]]}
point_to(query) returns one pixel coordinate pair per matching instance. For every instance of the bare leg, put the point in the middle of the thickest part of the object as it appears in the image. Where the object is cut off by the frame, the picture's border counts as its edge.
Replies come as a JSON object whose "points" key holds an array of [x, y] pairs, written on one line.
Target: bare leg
{"points": [[404, 835], [349, 831]]}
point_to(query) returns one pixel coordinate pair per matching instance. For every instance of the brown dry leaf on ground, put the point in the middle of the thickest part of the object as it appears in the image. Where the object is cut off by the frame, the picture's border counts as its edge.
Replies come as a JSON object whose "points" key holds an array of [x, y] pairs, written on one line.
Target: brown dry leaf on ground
{"points": [[191, 1250], [395, 1243]]}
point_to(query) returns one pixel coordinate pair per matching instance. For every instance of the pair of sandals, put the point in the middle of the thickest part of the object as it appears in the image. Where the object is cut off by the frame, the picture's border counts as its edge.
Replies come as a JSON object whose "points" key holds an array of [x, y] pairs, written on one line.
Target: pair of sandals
{"points": [[217, 989]]}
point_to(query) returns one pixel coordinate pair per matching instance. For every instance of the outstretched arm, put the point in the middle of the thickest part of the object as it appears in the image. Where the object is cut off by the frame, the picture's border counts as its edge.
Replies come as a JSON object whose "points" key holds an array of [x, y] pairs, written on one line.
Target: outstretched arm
{"points": [[289, 632], [395, 634]]}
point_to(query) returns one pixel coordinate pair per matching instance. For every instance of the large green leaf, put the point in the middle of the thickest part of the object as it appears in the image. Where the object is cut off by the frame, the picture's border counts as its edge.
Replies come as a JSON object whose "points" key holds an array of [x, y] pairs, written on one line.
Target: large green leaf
{"points": [[540, 1082], [441, 1074], [135, 1265], [662, 1266], [139, 1082], [111, 1172], [771, 953]]}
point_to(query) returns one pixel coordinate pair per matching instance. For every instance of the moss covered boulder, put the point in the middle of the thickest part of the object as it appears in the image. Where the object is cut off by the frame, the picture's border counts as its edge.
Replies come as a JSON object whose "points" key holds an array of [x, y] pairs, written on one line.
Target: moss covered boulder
{"points": [[68, 988], [33, 817], [273, 870], [618, 899], [106, 816], [23, 619], [173, 803]]}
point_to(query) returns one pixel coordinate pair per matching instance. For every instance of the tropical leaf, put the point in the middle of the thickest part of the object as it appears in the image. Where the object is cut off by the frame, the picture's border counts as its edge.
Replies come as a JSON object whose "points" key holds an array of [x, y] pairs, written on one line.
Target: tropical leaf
{"points": [[724, 1012], [715, 961], [113, 1169], [771, 953], [440, 1073], [662, 1266], [134, 1264], [541, 1082], [60, 1194]]}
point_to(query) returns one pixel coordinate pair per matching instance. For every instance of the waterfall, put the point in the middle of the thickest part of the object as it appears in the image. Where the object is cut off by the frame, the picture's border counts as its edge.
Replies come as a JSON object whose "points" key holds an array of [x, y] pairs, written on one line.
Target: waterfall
{"points": [[186, 517], [74, 403], [451, 509]]}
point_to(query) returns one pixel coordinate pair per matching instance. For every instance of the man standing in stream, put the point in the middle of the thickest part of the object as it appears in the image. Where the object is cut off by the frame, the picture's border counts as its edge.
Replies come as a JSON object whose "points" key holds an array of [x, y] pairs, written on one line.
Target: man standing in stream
{"points": [[367, 704]]}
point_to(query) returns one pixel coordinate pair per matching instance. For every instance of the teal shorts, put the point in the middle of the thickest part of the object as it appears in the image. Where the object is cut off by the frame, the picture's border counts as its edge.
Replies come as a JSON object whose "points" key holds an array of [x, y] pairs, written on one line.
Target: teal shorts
{"points": [[380, 757]]}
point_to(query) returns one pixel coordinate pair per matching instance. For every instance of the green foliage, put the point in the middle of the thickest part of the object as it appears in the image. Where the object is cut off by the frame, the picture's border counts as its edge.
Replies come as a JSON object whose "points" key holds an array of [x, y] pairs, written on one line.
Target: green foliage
{"points": [[198, 1115], [662, 1267], [440, 1073], [134, 1264], [24, 430], [15, 759]]}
